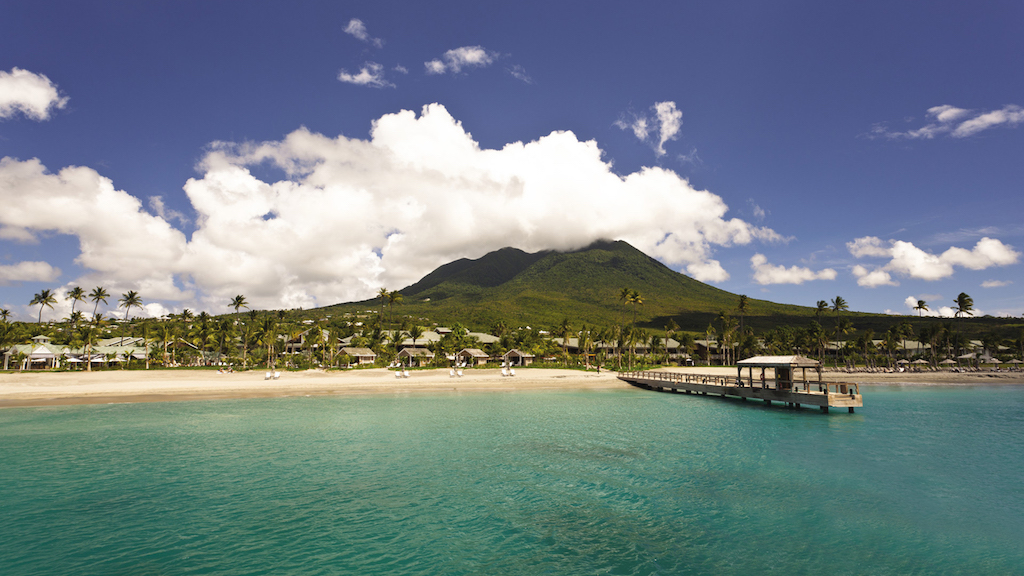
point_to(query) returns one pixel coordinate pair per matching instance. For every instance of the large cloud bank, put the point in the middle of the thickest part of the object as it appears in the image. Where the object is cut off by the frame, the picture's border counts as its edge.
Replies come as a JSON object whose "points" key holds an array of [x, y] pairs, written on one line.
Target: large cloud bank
{"points": [[346, 216]]}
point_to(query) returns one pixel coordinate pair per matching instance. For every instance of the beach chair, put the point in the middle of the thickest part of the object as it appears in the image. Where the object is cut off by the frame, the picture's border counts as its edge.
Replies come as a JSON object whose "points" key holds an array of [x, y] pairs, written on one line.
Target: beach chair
{"points": [[398, 373], [511, 371], [459, 372], [268, 376], [405, 373], [451, 373], [277, 375]]}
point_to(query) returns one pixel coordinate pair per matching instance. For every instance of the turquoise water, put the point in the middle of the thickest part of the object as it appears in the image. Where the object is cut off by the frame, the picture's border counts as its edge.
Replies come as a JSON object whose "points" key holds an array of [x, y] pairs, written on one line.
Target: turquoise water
{"points": [[920, 481]]}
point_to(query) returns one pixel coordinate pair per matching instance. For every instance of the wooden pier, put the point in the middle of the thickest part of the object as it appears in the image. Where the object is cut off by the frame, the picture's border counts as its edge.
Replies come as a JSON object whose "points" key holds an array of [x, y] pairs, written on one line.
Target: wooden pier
{"points": [[783, 385]]}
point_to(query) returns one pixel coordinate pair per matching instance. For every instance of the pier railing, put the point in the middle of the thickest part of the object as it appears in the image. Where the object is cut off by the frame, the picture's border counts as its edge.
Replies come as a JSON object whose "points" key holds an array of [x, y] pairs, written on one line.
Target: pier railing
{"points": [[837, 388]]}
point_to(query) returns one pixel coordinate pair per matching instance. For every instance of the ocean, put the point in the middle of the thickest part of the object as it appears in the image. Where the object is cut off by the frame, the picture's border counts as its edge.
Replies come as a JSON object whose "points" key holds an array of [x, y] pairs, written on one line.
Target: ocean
{"points": [[922, 480]]}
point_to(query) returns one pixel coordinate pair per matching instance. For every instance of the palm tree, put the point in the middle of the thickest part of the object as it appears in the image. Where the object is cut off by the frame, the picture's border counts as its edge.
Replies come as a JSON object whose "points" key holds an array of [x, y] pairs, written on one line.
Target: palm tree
{"points": [[76, 295], [839, 305], [415, 332], [393, 298], [383, 295], [741, 307], [843, 327], [686, 342], [98, 294], [44, 298], [247, 329], [5, 314], [921, 307], [563, 331], [624, 295], [867, 342], [266, 335], [708, 332], [129, 300], [238, 302], [964, 306], [636, 300], [88, 334], [822, 308], [166, 335]]}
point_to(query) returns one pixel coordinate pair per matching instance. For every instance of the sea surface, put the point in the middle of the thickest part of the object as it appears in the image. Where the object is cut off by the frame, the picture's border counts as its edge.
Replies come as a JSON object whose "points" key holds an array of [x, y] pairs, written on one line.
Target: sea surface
{"points": [[919, 481]]}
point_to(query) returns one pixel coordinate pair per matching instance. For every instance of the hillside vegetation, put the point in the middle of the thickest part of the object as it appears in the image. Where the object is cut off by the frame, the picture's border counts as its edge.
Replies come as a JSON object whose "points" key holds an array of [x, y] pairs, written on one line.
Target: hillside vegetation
{"points": [[541, 289]]}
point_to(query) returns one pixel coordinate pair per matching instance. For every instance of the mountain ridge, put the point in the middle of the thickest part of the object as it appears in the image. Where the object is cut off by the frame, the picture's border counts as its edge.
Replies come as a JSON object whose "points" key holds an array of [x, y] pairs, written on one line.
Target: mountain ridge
{"points": [[583, 285]]}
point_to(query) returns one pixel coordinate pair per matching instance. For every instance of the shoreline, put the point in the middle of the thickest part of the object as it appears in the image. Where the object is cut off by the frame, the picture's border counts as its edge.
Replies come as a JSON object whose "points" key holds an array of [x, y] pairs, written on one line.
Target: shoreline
{"points": [[24, 389]]}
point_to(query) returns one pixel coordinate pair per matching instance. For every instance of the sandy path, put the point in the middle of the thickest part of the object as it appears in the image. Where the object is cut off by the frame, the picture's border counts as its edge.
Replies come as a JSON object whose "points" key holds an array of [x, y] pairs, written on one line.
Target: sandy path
{"points": [[52, 388]]}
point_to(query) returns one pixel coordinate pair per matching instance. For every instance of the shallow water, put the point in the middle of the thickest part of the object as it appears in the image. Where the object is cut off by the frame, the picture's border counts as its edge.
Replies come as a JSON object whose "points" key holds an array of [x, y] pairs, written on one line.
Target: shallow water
{"points": [[919, 481]]}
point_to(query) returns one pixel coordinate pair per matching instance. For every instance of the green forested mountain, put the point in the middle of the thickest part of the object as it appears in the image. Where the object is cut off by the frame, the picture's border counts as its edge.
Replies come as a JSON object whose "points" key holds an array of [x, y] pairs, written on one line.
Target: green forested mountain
{"points": [[541, 289]]}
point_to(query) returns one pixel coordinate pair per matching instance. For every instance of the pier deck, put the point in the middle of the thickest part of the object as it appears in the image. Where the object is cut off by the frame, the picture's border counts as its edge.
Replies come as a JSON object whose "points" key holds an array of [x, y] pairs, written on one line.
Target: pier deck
{"points": [[784, 389]]}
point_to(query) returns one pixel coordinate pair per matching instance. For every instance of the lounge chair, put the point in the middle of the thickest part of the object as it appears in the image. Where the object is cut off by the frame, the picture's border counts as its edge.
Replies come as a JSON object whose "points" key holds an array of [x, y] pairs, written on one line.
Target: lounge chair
{"points": [[398, 373], [268, 376], [511, 371], [451, 373], [277, 375], [504, 371], [459, 372], [405, 373]]}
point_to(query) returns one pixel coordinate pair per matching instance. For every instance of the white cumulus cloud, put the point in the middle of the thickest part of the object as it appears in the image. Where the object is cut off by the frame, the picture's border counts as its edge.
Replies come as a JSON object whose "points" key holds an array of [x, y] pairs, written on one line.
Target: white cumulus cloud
{"points": [[28, 272], [457, 59], [908, 260], [766, 274], [31, 94], [371, 74], [351, 215], [873, 278], [996, 283]]}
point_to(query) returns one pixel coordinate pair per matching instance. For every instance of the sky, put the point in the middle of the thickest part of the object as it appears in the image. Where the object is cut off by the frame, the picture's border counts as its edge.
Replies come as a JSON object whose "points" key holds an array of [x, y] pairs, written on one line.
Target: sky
{"points": [[304, 154]]}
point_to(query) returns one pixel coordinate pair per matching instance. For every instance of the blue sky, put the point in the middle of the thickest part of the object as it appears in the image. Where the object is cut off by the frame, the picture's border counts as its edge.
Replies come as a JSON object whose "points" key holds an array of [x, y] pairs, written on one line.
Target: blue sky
{"points": [[307, 153]]}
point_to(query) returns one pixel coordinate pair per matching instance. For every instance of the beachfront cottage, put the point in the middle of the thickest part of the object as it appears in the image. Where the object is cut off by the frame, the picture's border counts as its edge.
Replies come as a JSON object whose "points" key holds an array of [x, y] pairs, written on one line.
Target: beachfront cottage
{"points": [[415, 357], [472, 357], [516, 357], [359, 355], [41, 353]]}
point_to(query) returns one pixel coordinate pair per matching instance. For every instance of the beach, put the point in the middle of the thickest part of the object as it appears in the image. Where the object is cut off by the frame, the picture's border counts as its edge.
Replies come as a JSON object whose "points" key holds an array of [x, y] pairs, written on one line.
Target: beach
{"points": [[116, 386], [112, 386]]}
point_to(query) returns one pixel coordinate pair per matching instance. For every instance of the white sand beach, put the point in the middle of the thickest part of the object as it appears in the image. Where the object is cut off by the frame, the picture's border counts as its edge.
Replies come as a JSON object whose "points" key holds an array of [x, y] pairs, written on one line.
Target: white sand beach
{"points": [[57, 388]]}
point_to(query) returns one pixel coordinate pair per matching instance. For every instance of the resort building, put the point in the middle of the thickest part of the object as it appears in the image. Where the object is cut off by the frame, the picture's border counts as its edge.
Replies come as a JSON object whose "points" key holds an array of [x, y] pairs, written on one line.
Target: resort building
{"points": [[359, 355], [472, 357], [515, 357], [415, 357]]}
